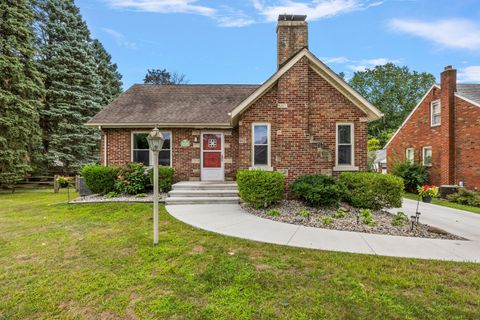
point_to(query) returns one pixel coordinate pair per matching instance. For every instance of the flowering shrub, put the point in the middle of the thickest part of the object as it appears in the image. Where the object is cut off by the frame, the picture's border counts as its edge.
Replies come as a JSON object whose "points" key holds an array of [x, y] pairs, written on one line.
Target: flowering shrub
{"points": [[64, 181], [428, 191], [132, 178]]}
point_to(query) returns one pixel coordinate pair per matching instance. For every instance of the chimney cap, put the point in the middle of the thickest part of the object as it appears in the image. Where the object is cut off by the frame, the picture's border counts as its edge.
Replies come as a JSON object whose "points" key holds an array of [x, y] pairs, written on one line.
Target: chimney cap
{"points": [[291, 17], [449, 67]]}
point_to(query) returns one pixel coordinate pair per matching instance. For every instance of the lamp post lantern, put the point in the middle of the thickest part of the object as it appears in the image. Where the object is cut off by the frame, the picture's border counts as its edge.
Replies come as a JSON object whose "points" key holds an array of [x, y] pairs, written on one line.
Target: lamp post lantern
{"points": [[155, 143]]}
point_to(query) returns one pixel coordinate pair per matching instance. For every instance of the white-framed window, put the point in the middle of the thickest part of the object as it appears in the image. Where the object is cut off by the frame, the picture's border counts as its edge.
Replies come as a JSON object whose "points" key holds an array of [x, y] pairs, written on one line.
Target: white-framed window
{"points": [[435, 113], [410, 155], [261, 144], [427, 156], [141, 152], [344, 144]]}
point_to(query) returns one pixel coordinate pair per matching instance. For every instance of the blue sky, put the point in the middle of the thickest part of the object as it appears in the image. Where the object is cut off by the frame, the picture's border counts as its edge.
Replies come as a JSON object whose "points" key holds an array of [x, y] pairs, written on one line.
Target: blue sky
{"points": [[235, 41]]}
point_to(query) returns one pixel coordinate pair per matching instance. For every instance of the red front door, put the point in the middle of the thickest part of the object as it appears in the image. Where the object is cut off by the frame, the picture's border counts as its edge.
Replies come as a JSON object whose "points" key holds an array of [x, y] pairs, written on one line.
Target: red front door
{"points": [[212, 156]]}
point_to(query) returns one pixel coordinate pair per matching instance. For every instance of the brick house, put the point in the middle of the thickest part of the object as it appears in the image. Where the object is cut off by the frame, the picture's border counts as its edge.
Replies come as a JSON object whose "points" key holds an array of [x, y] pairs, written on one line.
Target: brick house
{"points": [[443, 133], [304, 119]]}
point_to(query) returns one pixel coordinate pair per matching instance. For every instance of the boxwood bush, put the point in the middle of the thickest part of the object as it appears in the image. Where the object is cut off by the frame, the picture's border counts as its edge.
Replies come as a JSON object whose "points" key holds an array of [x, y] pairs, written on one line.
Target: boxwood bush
{"points": [[100, 179], [413, 174], [318, 190], [165, 178], [260, 188], [371, 190], [132, 178]]}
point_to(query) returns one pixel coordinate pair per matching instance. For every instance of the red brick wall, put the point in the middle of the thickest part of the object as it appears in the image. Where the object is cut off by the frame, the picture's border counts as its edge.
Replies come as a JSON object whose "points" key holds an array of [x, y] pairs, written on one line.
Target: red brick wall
{"points": [[313, 108], [185, 160], [467, 143], [418, 133]]}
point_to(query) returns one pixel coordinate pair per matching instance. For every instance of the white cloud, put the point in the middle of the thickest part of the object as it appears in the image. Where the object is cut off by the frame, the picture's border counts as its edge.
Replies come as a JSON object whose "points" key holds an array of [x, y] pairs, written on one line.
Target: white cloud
{"points": [[120, 38], [451, 33], [163, 6], [339, 60], [316, 9], [228, 21], [358, 65], [469, 74]]}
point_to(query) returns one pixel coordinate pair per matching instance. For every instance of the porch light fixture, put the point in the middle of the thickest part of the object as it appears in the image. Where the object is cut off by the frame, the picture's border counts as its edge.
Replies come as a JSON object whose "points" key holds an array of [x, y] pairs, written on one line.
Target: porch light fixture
{"points": [[155, 143]]}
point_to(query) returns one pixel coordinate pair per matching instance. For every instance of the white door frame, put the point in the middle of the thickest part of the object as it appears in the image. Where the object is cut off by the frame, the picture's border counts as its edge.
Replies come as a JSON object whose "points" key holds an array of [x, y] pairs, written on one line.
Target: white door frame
{"points": [[221, 170]]}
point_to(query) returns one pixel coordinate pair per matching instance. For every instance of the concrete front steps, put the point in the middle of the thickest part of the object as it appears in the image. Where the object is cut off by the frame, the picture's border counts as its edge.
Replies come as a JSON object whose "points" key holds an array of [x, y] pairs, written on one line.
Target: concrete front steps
{"points": [[201, 192]]}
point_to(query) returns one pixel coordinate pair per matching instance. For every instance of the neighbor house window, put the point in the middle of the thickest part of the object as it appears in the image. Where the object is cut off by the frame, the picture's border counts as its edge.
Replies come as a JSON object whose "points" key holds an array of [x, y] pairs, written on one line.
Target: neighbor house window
{"points": [[410, 155], [261, 144], [141, 152], [345, 144], [427, 156], [435, 113]]}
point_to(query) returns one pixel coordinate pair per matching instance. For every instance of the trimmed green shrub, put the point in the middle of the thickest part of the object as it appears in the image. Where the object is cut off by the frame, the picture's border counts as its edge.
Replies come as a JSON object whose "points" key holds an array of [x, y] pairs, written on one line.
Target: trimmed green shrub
{"points": [[413, 175], [464, 196], [318, 190], [366, 217], [132, 178], [100, 179], [371, 190], [340, 213], [260, 188], [165, 178]]}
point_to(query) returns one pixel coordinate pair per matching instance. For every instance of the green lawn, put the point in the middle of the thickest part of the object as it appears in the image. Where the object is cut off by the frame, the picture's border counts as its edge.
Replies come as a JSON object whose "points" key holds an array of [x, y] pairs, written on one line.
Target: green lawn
{"points": [[61, 261], [445, 203]]}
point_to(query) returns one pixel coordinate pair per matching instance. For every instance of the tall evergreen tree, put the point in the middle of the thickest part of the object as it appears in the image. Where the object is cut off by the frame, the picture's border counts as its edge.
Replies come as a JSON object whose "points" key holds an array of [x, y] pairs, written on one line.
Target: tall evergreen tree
{"points": [[110, 78], [21, 91], [73, 86]]}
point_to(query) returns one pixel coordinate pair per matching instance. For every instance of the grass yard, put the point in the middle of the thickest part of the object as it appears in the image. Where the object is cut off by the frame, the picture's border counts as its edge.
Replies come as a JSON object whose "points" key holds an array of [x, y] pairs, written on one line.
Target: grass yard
{"points": [[445, 203], [60, 261]]}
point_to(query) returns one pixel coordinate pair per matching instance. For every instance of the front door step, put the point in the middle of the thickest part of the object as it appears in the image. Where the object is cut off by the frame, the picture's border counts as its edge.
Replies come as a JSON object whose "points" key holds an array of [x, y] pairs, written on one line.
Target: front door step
{"points": [[203, 193]]}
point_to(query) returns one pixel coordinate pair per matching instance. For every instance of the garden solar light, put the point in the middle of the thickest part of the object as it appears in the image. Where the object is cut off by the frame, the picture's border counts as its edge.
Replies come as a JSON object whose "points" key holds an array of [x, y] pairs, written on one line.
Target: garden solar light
{"points": [[155, 143], [418, 216], [413, 220]]}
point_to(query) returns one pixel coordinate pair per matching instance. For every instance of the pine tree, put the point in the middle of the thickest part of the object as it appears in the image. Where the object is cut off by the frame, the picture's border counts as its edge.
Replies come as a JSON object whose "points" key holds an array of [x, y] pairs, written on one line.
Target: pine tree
{"points": [[21, 92], [110, 78], [73, 86]]}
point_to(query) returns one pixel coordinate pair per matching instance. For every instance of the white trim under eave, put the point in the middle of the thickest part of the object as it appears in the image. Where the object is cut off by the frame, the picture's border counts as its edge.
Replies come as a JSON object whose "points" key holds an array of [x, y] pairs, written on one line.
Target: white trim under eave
{"points": [[410, 114], [467, 100], [325, 72], [162, 125]]}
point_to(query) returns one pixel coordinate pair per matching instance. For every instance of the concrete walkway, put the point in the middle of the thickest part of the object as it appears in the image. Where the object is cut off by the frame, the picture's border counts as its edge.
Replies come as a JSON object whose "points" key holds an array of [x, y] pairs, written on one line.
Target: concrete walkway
{"points": [[231, 220]]}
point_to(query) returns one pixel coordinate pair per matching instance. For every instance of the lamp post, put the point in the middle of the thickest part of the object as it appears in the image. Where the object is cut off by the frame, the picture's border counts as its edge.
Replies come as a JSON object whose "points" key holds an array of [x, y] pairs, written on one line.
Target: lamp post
{"points": [[155, 143]]}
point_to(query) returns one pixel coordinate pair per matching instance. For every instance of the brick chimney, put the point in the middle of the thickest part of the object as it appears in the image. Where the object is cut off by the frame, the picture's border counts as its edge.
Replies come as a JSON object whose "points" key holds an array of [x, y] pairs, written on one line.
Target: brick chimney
{"points": [[448, 86], [292, 36]]}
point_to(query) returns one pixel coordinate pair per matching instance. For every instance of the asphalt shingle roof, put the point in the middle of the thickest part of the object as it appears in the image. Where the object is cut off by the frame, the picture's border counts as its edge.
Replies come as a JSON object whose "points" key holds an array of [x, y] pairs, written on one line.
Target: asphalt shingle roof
{"points": [[147, 103], [469, 91]]}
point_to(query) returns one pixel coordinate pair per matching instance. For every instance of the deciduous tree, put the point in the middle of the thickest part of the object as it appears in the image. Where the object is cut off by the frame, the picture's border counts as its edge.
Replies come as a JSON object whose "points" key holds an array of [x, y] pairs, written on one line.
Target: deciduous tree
{"points": [[394, 90]]}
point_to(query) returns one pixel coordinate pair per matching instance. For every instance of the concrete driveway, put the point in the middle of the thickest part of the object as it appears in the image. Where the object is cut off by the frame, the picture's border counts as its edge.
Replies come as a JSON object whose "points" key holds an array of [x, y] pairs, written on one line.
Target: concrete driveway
{"points": [[462, 223], [232, 220]]}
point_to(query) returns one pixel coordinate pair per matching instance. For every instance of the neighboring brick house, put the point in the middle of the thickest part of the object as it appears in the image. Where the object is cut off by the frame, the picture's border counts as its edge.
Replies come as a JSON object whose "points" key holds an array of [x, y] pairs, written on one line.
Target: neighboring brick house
{"points": [[443, 133], [303, 120]]}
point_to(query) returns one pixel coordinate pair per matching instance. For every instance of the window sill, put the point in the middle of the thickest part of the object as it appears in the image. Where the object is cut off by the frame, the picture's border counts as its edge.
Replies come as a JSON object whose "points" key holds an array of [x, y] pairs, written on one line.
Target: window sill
{"points": [[345, 168], [264, 168], [435, 125]]}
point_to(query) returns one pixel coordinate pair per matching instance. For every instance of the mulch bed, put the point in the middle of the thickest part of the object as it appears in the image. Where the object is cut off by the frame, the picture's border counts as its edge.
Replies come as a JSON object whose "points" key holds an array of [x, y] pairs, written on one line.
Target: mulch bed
{"points": [[383, 220], [94, 198]]}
